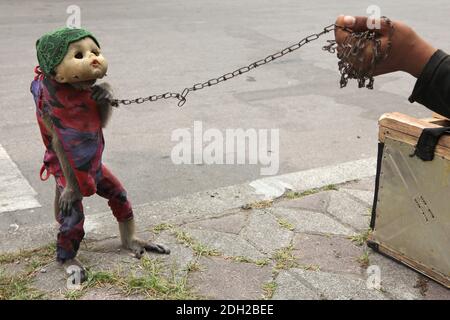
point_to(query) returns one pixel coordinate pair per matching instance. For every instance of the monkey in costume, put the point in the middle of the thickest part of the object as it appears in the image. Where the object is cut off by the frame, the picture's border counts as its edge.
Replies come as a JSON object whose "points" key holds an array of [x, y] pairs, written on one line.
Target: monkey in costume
{"points": [[71, 111]]}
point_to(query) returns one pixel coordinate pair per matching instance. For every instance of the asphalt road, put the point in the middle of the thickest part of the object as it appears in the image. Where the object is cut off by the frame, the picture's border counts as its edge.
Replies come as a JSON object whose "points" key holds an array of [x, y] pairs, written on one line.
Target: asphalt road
{"points": [[165, 45]]}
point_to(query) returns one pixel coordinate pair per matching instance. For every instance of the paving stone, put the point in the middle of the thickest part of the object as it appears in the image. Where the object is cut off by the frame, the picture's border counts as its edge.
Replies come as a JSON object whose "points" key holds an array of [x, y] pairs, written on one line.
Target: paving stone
{"points": [[400, 281], [316, 202], [330, 253], [53, 281], [260, 225], [229, 224], [349, 211], [110, 245], [12, 269], [436, 291], [291, 287], [225, 279], [314, 222], [367, 184], [178, 259], [108, 255], [107, 261], [364, 196], [226, 243], [333, 286]]}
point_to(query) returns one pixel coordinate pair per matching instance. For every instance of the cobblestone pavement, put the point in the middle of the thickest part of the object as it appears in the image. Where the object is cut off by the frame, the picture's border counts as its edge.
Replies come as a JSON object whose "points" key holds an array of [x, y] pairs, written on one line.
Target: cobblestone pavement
{"points": [[303, 245]]}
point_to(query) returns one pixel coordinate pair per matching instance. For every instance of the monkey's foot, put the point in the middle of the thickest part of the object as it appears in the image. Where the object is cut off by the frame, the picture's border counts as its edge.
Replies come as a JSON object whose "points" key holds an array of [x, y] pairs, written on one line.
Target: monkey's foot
{"points": [[138, 247], [75, 271]]}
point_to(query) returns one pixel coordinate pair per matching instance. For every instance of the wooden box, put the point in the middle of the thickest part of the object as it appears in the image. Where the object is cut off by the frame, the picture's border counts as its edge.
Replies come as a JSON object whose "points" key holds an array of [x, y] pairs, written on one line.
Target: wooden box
{"points": [[411, 211]]}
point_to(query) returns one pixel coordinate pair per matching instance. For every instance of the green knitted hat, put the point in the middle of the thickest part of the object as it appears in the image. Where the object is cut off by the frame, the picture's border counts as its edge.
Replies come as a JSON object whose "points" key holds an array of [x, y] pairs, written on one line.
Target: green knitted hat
{"points": [[52, 46]]}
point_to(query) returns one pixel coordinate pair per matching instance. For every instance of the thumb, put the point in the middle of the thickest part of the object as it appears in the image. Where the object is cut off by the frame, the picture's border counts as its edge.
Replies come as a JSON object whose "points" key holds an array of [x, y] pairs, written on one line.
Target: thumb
{"points": [[362, 23], [349, 21], [356, 24]]}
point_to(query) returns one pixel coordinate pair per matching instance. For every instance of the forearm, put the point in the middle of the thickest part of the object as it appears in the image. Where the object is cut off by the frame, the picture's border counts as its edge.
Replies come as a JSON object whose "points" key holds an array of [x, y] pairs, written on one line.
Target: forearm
{"points": [[71, 180], [103, 95], [105, 110], [432, 88]]}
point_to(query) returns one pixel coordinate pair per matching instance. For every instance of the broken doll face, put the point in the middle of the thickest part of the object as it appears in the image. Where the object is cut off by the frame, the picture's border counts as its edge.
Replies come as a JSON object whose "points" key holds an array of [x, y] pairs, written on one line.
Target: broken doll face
{"points": [[83, 62]]}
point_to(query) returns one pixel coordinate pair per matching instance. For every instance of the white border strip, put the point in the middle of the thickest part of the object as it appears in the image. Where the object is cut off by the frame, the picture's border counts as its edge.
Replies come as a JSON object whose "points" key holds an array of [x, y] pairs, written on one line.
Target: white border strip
{"points": [[273, 187]]}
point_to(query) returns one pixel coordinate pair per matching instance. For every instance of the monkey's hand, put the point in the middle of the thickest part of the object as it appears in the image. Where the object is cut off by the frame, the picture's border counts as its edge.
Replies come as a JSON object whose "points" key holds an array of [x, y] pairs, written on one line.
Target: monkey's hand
{"points": [[102, 93], [138, 247], [67, 199]]}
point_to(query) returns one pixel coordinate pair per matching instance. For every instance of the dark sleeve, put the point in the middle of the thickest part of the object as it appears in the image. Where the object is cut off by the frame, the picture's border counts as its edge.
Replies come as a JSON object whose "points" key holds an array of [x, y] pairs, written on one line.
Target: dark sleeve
{"points": [[432, 88]]}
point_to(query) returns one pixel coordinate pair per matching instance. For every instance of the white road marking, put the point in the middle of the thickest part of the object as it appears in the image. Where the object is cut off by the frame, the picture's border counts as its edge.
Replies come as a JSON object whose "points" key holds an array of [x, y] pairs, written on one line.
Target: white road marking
{"points": [[273, 187], [15, 191]]}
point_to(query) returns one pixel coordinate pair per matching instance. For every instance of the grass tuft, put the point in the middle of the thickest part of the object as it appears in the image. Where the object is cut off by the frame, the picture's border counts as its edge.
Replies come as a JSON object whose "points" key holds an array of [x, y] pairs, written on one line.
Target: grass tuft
{"points": [[284, 258], [285, 224], [269, 289], [258, 205], [364, 259], [361, 239], [295, 194]]}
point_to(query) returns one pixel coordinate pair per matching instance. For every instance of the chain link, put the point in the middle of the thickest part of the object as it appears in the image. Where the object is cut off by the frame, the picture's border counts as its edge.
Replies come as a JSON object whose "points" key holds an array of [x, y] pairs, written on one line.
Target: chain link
{"points": [[352, 50], [331, 47]]}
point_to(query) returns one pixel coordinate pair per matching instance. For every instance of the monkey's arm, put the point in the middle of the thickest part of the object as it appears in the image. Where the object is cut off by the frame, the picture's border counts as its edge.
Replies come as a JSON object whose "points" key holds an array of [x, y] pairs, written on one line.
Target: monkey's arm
{"points": [[103, 95], [71, 192]]}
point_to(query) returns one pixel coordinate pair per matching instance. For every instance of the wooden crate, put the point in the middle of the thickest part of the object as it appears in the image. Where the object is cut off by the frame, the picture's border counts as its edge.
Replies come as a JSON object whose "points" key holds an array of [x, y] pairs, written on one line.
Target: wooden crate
{"points": [[411, 212]]}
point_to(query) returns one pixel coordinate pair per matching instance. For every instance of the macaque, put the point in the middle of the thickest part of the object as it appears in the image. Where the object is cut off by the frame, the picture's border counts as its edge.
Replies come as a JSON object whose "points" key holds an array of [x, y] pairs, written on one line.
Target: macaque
{"points": [[71, 110]]}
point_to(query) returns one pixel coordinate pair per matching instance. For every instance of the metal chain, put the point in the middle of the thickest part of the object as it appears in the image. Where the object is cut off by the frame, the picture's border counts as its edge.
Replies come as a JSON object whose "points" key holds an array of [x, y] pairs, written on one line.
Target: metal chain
{"points": [[369, 35], [351, 49]]}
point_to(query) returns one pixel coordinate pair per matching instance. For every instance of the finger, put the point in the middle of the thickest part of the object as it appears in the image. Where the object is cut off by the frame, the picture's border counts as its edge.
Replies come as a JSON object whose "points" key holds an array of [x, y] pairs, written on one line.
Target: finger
{"points": [[96, 91], [95, 95], [346, 22], [357, 24], [351, 23], [380, 26], [64, 208], [69, 208], [156, 248], [340, 34], [139, 252], [102, 95], [383, 68], [361, 24], [61, 207]]}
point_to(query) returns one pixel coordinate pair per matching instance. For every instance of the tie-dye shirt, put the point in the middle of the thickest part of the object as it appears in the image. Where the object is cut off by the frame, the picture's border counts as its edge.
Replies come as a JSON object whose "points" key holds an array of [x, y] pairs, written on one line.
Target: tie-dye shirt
{"points": [[76, 120]]}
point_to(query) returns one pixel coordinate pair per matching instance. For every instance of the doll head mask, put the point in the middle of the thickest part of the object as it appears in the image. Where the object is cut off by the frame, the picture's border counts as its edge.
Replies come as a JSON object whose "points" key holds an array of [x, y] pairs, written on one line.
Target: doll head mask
{"points": [[71, 56]]}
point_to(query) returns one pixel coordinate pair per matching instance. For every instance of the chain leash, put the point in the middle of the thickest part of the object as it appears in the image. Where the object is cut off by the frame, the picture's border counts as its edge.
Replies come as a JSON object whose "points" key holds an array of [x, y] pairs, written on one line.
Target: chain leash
{"points": [[345, 67]]}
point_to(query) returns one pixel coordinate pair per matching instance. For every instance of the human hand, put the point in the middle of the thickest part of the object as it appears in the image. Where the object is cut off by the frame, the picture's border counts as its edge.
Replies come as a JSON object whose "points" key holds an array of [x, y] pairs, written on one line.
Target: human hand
{"points": [[409, 52]]}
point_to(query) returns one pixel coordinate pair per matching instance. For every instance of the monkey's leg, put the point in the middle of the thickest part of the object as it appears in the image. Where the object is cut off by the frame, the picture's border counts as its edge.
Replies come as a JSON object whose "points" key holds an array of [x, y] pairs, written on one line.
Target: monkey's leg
{"points": [[136, 245], [70, 235], [68, 211], [110, 188]]}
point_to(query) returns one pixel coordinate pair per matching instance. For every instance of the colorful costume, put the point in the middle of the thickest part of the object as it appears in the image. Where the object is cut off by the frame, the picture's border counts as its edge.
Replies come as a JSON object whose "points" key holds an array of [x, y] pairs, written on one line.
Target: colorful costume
{"points": [[76, 121]]}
